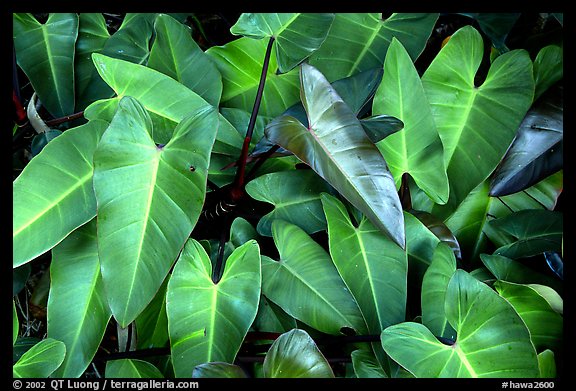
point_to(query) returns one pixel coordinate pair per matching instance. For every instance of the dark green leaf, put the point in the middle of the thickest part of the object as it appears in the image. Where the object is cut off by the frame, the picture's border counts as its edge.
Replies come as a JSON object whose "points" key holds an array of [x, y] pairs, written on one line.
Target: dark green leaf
{"points": [[131, 369], [219, 370]]}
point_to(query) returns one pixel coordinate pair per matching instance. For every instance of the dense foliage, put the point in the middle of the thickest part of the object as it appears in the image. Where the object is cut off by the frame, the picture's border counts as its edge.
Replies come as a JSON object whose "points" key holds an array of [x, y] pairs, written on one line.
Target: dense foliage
{"points": [[288, 195]]}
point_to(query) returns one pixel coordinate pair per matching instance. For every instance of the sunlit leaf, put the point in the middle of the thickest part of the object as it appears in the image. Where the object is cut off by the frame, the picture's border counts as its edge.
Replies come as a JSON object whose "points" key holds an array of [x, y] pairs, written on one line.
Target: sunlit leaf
{"points": [[41, 360]]}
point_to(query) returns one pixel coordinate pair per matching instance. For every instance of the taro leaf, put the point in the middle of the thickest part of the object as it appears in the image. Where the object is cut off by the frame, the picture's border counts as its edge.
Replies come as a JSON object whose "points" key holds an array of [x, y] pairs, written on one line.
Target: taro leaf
{"points": [[167, 101], [295, 355], [537, 149], [176, 54], [218, 370], [53, 195], [131, 369], [148, 201], [295, 196], [45, 52], [359, 41], [40, 140], [496, 26], [416, 149], [545, 324], [548, 68], [506, 269], [317, 295], [20, 277], [77, 309], [371, 265], [532, 232], [476, 124], [240, 64], [366, 366], [15, 323], [152, 323], [336, 147], [41, 360], [433, 295], [547, 364], [296, 35], [207, 322], [492, 341]]}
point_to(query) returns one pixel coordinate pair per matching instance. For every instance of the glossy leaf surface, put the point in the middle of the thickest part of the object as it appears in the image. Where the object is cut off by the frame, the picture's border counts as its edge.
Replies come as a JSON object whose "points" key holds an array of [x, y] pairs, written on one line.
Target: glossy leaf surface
{"points": [[53, 195], [295, 355], [41, 360], [492, 341], [548, 68], [318, 296], [336, 147], [77, 308], [296, 35], [207, 322], [131, 369], [365, 365], [163, 197]]}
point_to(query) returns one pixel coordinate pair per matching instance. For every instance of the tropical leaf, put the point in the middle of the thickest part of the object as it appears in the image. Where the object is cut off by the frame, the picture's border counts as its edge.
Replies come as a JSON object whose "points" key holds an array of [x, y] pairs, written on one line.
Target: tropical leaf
{"points": [[41, 360], [240, 64], [545, 324], [15, 323], [208, 321], [20, 277], [131, 369], [496, 26], [272, 318], [366, 365], [336, 147], [318, 296], [295, 355], [295, 196], [417, 148], [152, 323], [45, 52], [176, 54], [492, 341], [439, 229], [77, 309], [218, 370], [148, 201], [53, 195], [548, 68], [476, 123], [547, 364], [359, 41]]}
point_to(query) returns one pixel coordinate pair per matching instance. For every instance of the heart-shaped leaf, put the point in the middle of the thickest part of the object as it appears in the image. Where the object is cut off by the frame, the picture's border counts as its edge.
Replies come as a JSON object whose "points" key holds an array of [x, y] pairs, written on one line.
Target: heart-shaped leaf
{"points": [[131, 369], [492, 341], [45, 52], [53, 195], [417, 148], [77, 309], [295, 355], [176, 54], [318, 296], [359, 41], [207, 322], [41, 360], [295, 196], [336, 147], [296, 35], [476, 123], [161, 194]]}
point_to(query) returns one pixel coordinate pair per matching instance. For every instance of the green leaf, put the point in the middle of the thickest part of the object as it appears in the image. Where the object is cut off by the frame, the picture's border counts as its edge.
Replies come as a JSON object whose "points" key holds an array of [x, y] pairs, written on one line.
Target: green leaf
{"points": [[439, 229], [380, 126], [545, 324], [131, 369], [547, 364], [207, 322], [548, 68], [41, 140], [272, 318], [148, 201], [493, 341], [77, 309], [532, 232], [306, 284], [464, 113], [41, 360], [416, 149], [15, 323], [296, 35], [434, 286], [366, 366], [53, 194], [166, 100], [152, 323], [371, 265], [496, 26], [240, 64], [295, 196], [45, 52], [20, 276], [295, 355], [336, 147], [218, 370], [359, 41], [176, 54]]}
